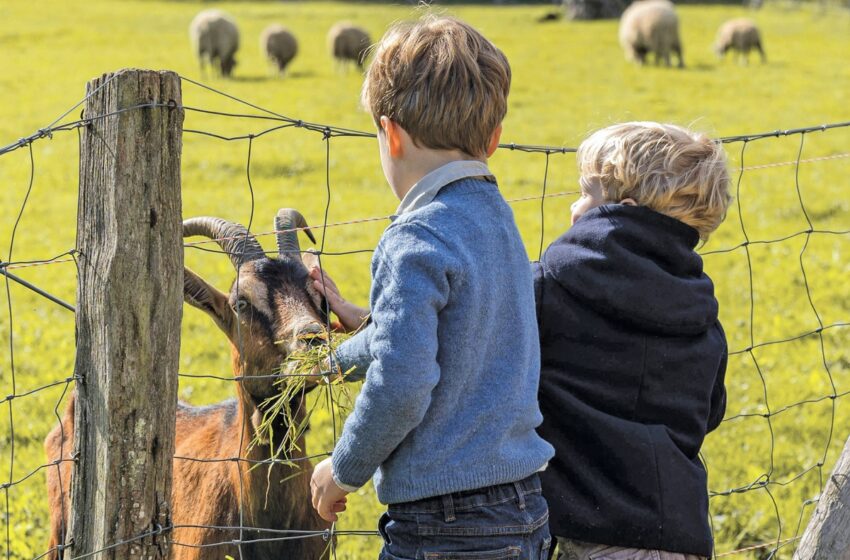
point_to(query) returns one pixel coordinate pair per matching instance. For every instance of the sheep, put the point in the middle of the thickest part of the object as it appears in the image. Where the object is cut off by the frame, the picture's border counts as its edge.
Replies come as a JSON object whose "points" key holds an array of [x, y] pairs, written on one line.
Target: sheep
{"points": [[271, 311], [215, 39], [651, 26], [349, 42], [278, 44], [740, 35]]}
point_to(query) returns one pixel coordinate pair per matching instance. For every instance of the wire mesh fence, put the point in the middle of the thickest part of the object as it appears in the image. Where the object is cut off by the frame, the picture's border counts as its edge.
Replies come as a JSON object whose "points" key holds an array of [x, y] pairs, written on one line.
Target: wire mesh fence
{"points": [[779, 263]]}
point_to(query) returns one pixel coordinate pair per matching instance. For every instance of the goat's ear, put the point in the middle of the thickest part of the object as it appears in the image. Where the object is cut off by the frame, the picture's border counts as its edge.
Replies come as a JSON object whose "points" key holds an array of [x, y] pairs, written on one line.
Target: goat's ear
{"points": [[199, 294]]}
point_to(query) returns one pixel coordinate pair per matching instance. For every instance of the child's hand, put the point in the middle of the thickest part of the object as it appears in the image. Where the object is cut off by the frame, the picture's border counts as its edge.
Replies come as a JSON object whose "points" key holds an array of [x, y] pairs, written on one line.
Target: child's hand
{"points": [[328, 498], [350, 316]]}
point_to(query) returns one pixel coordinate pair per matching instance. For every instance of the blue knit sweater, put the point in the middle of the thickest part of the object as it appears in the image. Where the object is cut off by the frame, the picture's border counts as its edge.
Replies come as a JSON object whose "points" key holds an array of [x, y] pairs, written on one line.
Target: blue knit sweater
{"points": [[450, 397]]}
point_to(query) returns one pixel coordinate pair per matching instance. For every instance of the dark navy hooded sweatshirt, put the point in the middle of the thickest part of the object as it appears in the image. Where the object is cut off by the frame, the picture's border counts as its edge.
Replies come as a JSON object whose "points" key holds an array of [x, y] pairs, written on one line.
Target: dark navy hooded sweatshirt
{"points": [[632, 366]]}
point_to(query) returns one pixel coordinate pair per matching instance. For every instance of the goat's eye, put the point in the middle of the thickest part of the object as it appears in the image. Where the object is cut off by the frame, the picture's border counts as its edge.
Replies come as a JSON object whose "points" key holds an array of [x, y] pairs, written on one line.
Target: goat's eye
{"points": [[241, 305]]}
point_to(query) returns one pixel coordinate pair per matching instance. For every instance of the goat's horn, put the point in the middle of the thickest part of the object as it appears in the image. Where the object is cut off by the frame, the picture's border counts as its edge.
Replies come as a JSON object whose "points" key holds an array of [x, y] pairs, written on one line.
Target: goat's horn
{"points": [[285, 222], [233, 238]]}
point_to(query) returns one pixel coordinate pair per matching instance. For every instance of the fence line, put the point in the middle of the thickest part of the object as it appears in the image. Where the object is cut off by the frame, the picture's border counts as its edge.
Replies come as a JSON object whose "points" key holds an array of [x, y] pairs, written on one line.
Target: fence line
{"points": [[763, 482]]}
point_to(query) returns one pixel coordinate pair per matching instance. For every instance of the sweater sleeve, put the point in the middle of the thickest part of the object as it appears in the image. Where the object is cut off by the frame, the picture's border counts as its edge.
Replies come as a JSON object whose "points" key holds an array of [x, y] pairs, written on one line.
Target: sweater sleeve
{"points": [[718, 394], [410, 288], [353, 355], [539, 280]]}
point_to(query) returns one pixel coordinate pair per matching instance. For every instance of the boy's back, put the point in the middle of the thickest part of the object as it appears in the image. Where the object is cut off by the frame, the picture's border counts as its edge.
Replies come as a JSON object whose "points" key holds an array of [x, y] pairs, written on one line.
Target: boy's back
{"points": [[447, 413], [633, 357], [464, 370], [631, 380]]}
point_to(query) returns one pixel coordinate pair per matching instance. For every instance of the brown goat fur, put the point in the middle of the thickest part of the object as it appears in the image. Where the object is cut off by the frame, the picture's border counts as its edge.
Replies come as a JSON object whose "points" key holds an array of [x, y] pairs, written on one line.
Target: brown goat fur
{"points": [[266, 316]]}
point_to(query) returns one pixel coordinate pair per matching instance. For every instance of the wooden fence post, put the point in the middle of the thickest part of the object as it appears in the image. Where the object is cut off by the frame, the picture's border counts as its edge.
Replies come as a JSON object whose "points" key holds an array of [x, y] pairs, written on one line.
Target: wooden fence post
{"points": [[828, 535], [129, 308]]}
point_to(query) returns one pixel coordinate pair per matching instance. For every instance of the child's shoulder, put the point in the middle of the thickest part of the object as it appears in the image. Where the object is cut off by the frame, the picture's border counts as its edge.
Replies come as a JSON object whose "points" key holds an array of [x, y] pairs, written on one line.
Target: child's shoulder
{"points": [[618, 227], [413, 238], [634, 265]]}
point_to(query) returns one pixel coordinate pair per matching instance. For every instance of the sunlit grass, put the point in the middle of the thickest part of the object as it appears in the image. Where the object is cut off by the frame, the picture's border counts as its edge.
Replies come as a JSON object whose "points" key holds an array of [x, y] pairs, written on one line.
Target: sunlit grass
{"points": [[568, 78]]}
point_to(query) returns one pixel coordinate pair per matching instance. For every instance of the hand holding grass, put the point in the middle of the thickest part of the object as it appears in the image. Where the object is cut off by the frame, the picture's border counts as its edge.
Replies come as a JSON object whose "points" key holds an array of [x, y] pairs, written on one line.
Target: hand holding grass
{"points": [[299, 374]]}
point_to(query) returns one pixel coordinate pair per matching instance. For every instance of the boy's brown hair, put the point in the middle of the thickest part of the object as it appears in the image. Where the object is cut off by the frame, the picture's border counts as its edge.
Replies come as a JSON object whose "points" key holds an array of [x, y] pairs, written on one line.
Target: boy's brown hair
{"points": [[670, 169], [441, 81]]}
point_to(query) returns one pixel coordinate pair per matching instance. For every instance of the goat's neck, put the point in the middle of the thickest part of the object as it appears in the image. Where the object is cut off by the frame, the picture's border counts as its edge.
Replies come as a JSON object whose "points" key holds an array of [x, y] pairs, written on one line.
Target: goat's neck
{"points": [[269, 487]]}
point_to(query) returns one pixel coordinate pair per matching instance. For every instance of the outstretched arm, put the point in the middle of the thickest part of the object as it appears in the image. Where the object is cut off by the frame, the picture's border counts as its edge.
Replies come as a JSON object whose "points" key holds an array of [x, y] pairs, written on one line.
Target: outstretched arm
{"points": [[352, 356], [411, 289]]}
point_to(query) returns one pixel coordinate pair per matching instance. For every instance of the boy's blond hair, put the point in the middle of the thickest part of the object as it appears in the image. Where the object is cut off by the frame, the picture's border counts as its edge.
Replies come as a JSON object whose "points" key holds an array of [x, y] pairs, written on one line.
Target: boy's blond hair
{"points": [[664, 167], [442, 81]]}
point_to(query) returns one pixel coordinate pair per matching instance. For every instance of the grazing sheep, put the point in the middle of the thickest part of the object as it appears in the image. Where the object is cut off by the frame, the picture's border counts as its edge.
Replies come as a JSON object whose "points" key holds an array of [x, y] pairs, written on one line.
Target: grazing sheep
{"points": [[279, 45], [349, 42], [740, 35], [651, 26], [215, 39]]}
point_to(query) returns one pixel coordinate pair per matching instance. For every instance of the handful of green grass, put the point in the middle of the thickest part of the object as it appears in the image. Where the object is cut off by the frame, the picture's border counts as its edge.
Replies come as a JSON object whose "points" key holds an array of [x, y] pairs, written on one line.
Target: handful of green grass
{"points": [[304, 370]]}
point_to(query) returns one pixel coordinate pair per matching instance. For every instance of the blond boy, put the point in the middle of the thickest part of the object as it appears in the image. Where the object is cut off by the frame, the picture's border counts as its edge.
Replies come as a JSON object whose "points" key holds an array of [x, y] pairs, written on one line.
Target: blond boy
{"points": [[446, 417], [633, 356]]}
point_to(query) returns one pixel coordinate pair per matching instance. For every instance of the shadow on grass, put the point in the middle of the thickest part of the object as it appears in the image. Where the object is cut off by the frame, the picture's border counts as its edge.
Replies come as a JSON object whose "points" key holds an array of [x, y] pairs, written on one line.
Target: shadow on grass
{"points": [[701, 67], [253, 79]]}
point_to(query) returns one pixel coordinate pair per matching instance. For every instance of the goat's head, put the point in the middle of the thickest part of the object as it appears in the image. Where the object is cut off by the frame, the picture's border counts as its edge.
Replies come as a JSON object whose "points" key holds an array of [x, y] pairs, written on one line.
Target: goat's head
{"points": [[272, 308]]}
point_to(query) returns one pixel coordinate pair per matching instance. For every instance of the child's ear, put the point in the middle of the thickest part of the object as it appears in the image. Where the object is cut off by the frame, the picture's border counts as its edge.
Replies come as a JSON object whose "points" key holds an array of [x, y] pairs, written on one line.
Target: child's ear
{"points": [[393, 133], [629, 202], [494, 141]]}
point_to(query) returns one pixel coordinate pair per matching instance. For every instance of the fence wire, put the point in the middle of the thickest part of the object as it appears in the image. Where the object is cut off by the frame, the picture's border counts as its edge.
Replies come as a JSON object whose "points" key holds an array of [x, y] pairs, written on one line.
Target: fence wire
{"points": [[768, 480]]}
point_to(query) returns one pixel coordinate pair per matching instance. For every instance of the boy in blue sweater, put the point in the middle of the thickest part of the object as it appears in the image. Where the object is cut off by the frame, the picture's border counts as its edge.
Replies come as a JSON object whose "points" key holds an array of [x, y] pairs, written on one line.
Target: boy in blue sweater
{"points": [[633, 355], [446, 418]]}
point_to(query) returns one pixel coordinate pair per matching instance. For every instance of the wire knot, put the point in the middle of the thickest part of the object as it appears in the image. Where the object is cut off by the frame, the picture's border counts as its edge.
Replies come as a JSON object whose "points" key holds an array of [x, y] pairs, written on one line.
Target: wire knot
{"points": [[329, 534], [326, 133]]}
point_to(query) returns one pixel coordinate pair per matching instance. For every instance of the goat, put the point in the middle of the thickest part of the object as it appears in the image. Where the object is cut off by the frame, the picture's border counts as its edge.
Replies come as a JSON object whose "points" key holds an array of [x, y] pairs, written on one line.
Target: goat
{"points": [[271, 311]]}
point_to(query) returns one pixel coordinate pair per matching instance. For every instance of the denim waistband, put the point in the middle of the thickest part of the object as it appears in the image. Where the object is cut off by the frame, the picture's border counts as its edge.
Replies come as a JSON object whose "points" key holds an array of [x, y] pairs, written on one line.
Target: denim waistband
{"points": [[470, 499]]}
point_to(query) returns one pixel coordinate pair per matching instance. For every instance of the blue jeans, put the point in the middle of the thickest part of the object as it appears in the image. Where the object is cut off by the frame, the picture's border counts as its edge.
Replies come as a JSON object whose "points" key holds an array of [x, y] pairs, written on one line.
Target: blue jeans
{"points": [[502, 522]]}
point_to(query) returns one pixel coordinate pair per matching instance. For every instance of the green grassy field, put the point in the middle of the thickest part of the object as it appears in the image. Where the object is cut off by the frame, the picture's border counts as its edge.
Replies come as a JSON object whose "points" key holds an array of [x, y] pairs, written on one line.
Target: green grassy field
{"points": [[568, 79]]}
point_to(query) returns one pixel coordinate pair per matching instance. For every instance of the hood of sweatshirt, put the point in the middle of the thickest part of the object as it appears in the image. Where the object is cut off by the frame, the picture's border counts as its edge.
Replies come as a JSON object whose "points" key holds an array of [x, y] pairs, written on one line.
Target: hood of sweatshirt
{"points": [[635, 265]]}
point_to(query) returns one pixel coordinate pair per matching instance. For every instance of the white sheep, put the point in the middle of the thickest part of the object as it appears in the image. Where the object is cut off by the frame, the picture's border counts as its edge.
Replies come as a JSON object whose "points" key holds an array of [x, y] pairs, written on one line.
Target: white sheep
{"points": [[651, 26], [279, 45], [215, 39], [740, 35], [349, 42]]}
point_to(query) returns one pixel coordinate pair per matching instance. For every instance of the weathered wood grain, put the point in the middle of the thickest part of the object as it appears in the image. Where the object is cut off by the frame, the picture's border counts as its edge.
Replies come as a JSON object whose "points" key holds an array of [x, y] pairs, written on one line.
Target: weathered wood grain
{"points": [[828, 535], [129, 309]]}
